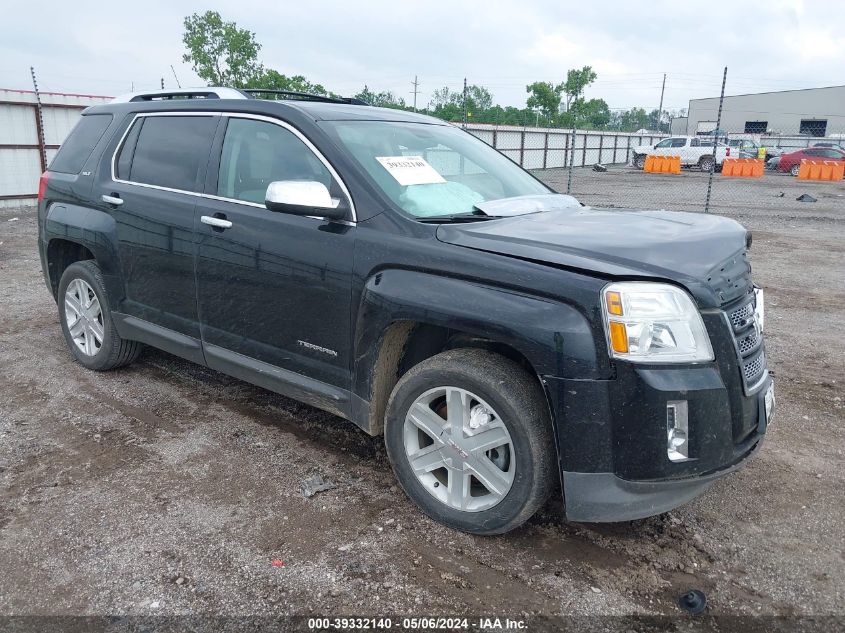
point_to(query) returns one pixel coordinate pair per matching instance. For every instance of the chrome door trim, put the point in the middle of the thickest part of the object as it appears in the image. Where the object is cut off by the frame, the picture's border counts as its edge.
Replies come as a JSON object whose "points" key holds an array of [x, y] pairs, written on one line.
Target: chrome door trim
{"points": [[232, 115]]}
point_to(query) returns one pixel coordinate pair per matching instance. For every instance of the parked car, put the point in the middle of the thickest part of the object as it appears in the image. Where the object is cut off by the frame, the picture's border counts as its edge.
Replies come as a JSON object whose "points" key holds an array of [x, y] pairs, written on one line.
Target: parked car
{"points": [[791, 162], [749, 148], [396, 271], [830, 145], [694, 151]]}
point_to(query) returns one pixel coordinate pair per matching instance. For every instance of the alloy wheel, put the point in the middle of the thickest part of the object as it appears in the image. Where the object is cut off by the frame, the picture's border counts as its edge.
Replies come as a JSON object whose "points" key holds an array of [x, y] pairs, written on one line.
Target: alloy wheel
{"points": [[84, 317], [459, 449]]}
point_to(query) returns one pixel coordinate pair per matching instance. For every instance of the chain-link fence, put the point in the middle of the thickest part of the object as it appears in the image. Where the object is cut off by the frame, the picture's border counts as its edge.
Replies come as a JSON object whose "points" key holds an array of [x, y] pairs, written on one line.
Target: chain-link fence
{"points": [[662, 171]]}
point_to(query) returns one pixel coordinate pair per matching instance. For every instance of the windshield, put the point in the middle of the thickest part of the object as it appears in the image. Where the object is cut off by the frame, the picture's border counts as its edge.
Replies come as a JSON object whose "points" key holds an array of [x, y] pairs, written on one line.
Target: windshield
{"points": [[432, 170]]}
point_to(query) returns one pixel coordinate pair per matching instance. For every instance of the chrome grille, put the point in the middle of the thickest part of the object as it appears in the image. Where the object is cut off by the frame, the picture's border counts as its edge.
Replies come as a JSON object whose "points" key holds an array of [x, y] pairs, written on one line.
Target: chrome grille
{"points": [[754, 369], [739, 317], [749, 343]]}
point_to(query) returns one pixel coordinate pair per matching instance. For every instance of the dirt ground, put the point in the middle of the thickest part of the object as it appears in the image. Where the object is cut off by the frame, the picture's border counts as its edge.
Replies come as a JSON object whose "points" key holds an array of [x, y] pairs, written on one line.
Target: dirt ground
{"points": [[167, 488]]}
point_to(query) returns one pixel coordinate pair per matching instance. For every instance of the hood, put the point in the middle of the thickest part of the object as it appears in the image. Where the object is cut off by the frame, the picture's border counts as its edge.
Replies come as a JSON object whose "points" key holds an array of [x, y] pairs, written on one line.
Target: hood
{"points": [[704, 253]]}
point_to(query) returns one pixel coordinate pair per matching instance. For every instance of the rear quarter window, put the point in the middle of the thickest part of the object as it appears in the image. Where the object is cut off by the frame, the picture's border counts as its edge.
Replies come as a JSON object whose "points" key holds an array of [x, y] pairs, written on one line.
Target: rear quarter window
{"points": [[78, 146]]}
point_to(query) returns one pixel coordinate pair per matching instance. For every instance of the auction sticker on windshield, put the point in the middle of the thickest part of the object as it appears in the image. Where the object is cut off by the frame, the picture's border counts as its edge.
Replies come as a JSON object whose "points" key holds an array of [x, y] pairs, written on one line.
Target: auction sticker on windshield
{"points": [[410, 170]]}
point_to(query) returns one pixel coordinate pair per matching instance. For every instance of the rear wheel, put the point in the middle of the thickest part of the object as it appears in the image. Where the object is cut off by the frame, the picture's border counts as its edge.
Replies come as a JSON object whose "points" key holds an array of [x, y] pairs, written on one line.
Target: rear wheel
{"points": [[706, 163], [795, 169], [469, 437], [86, 320]]}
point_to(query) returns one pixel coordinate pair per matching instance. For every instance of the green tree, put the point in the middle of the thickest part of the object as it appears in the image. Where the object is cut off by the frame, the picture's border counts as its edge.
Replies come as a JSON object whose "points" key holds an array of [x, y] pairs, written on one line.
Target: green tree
{"points": [[384, 99], [630, 120], [219, 52], [545, 96], [441, 97], [270, 79], [479, 99], [593, 113], [449, 104], [576, 82]]}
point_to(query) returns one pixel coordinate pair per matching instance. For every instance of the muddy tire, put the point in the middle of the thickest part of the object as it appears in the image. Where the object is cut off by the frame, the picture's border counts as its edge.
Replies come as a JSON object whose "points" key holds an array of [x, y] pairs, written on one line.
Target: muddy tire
{"points": [[469, 436], [85, 316]]}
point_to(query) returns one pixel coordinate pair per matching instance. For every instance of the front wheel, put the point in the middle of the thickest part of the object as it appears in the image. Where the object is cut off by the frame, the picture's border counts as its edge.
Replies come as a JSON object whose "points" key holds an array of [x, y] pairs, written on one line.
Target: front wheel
{"points": [[469, 437], [639, 161], [795, 169]]}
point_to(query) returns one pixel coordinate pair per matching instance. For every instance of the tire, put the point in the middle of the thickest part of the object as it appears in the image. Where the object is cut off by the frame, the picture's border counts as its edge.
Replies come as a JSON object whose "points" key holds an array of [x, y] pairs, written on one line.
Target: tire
{"points": [[795, 169], [706, 163], [639, 161], [511, 408], [93, 341]]}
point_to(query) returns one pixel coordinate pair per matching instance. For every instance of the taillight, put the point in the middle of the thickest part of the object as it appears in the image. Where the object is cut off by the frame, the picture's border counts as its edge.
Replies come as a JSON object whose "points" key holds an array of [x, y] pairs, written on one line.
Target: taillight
{"points": [[42, 185], [728, 152]]}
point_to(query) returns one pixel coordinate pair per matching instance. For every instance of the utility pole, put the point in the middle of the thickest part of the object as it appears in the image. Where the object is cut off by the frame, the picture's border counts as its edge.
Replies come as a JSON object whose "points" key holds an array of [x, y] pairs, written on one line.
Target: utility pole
{"points": [[660, 109], [162, 83], [416, 84], [465, 103]]}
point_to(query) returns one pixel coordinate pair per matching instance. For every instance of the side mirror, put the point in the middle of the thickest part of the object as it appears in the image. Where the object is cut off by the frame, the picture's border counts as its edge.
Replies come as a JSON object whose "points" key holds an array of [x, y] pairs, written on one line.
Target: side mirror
{"points": [[303, 197]]}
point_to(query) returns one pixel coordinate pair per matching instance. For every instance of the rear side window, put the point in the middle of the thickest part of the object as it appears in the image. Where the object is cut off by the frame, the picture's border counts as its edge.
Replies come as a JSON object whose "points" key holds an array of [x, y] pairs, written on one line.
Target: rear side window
{"points": [[169, 151], [78, 146]]}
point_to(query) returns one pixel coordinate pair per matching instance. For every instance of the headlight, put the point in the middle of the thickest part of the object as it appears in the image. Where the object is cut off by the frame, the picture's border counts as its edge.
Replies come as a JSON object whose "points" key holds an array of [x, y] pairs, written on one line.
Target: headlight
{"points": [[653, 323]]}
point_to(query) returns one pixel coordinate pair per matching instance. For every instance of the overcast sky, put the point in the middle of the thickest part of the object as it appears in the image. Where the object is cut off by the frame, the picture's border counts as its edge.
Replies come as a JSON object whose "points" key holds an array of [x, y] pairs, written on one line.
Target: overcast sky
{"points": [[84, 47]]}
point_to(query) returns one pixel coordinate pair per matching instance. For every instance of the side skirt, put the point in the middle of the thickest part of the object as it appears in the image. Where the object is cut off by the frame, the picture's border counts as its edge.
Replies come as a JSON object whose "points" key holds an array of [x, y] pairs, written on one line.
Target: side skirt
{"points": [[312, 392]]}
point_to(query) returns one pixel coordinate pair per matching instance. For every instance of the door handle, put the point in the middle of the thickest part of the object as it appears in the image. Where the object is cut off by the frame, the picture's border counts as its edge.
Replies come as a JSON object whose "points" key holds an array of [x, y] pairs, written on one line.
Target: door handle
{"points": [[115, 200], [219, 223]]}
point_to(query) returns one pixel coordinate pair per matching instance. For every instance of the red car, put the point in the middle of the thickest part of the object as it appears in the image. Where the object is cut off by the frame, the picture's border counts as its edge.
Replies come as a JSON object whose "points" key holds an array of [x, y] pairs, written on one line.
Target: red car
{"points": [[792, 162]]}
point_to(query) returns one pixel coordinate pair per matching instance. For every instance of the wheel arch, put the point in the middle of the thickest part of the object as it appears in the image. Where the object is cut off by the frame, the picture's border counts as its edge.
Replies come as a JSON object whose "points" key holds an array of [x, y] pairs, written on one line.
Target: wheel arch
{"points": [[401, 323], [61, 253], [73, 233]]}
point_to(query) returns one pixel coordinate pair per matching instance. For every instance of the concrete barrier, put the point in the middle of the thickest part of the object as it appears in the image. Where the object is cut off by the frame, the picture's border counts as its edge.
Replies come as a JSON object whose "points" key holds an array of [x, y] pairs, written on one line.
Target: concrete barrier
{"points": [[743, 167], [662, 164], [821, 170]]}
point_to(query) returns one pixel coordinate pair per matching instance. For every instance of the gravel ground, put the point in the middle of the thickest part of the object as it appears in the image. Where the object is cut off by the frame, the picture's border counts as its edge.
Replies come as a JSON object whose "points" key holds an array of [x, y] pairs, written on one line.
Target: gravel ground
{"points": [[168, 489]]}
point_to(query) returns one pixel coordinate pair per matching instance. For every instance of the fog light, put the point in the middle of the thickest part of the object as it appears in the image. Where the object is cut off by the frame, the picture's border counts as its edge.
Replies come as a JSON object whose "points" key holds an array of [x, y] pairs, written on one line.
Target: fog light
{"points": [[677, 428]]}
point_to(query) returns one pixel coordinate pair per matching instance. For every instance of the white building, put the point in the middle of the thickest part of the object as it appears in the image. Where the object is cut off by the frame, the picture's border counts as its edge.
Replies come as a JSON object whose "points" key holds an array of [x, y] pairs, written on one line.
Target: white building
{"points": [[816, 112]]}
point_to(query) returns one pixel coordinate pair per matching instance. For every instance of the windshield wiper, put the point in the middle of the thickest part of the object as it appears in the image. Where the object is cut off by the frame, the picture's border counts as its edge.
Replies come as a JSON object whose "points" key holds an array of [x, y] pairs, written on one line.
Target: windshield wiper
{"points": [[458, 217]]}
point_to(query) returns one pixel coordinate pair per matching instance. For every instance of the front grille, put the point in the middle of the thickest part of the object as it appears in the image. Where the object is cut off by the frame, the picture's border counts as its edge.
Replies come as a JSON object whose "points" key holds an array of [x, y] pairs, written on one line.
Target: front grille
{"points": [[749, 343], [753, 369], [739, 317]]}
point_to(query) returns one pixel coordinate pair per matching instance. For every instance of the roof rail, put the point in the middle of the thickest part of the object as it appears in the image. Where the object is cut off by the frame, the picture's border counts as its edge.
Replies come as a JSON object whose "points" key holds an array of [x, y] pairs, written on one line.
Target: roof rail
{"points": [[213, 92], [303, 96], [181, 93]]}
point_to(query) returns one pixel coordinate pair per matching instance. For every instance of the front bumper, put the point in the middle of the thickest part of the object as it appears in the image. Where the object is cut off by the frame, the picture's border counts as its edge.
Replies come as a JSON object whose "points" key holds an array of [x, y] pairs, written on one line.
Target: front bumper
{"points": [[611, 437], [604, 497]]}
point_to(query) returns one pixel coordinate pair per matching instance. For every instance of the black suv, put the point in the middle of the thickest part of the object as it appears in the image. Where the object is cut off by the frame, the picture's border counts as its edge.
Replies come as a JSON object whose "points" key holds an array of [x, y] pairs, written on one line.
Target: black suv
{"points": [[396, 271]]}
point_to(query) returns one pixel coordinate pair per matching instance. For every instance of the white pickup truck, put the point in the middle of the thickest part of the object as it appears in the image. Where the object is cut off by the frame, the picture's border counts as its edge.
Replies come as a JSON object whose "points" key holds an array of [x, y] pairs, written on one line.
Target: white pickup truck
{"points": [[695, 151]]}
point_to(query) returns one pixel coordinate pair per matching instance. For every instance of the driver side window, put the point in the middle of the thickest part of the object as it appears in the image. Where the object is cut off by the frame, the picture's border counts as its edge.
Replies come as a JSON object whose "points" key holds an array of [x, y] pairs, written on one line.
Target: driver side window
{"points": [[256, 153], [664, 143]]}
